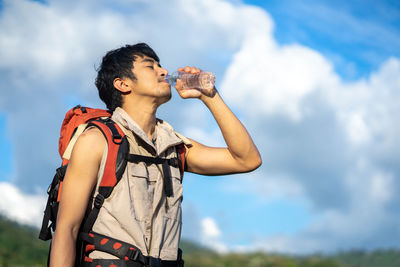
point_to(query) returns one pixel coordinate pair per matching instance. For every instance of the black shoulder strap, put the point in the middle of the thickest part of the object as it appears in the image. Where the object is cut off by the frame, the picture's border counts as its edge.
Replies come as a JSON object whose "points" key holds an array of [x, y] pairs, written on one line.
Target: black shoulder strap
{"points": [[51, 210], [118, 148]]}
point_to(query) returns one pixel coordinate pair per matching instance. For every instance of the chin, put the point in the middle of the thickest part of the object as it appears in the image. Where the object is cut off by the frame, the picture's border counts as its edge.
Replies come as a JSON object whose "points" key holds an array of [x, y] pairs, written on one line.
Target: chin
{"points": [[164, 97]]}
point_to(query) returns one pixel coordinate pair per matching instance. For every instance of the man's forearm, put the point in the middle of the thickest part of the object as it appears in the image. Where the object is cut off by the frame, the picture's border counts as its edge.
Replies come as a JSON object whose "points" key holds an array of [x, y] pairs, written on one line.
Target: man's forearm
{"points": [[237, 138], [63, 249]]}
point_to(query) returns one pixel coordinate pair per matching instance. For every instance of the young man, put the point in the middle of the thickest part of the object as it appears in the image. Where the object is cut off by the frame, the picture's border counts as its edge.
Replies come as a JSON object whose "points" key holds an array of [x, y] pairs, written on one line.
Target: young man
{"points": [[132, 84]]}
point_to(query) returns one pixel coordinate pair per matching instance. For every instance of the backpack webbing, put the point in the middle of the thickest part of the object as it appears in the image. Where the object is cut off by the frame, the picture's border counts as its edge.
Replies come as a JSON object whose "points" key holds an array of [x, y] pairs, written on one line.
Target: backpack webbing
{"points": [[117, 157]]}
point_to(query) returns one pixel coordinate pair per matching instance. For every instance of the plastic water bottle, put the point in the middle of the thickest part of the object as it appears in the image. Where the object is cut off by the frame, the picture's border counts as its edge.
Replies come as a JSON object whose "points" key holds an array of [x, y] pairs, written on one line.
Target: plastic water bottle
{"points": [[203, 81]]}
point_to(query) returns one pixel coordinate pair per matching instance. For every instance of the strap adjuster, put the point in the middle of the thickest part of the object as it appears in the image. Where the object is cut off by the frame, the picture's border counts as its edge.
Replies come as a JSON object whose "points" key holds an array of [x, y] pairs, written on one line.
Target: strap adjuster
{"points": [[60, 172], [117, 138], [173, 162], [98, 201], [133, 254]]}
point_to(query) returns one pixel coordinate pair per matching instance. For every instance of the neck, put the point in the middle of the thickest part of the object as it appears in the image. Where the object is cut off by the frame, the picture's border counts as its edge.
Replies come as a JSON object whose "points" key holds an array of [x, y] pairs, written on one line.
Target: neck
{"points": [[143, 114]]}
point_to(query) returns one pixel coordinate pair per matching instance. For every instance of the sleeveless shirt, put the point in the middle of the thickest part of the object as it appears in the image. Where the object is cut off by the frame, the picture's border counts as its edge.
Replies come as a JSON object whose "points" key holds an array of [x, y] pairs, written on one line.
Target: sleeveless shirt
{"points": [[138, 211]]}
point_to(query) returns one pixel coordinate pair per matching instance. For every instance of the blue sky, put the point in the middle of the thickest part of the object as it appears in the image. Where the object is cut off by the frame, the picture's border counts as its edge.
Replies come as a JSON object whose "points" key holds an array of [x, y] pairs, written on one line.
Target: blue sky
{"points": [[6, 150], [315, 82], [344, 31]]}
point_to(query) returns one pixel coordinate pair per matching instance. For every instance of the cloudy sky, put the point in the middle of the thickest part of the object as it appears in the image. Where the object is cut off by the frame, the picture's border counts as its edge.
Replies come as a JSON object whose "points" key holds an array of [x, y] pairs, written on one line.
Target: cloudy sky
{"points": [[316, 83]]}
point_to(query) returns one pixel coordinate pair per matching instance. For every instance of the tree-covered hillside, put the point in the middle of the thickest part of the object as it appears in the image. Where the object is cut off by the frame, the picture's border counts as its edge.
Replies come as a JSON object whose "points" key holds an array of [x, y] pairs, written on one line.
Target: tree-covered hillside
{"points": [[20, 247]]}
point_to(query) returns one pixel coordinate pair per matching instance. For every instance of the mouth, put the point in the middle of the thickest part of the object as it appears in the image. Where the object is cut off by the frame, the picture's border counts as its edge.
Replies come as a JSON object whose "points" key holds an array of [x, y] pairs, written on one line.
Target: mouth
{"points": [[164, 81]]}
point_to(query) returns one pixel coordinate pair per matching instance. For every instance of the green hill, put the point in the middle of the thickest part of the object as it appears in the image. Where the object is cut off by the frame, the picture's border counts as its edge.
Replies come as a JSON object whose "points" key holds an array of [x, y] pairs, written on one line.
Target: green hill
{"points": [[389, 258], [20, 247]]}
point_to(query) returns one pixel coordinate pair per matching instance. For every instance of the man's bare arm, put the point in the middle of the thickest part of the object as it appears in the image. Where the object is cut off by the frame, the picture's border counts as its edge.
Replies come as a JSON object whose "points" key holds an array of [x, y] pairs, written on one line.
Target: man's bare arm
{"points": [[240, 155], [79, 182]]}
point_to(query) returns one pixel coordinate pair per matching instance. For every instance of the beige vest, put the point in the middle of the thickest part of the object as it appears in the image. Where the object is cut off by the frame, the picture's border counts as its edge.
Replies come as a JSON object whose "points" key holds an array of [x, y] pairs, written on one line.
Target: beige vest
{"points": [[138, 211]]}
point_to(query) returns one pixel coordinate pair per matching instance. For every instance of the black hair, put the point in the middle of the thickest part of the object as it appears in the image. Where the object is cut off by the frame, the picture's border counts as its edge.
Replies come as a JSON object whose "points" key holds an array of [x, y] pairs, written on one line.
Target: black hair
{"points": [[118, 63]]}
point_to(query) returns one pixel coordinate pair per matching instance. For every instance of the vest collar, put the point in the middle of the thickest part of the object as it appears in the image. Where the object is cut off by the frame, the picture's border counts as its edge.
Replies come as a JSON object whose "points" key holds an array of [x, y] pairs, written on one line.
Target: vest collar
{"points": [[164, 134]]}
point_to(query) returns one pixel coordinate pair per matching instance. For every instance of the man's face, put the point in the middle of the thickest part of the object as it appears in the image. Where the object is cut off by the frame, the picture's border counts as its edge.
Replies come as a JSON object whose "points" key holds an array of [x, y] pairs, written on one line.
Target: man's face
{"points": [[150, 79]]}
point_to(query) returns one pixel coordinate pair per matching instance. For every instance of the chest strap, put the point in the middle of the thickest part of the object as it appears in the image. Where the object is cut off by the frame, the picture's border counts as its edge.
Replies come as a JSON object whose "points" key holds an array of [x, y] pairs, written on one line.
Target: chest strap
{"points": [[165, 163], [152, 160]]}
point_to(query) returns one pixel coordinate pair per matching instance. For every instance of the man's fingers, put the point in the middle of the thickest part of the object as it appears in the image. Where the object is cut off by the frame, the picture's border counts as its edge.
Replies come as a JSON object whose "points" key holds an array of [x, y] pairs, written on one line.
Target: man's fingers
{"points": [[188, 69], [178, 84], [195, 70], [190, 93]]}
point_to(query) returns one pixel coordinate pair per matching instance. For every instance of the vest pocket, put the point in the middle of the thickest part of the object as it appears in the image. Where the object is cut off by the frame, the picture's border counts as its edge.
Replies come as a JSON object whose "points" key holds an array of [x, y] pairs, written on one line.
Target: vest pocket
{"points": [[170, 238], [144, 183], [141, 190], [174, 202]]}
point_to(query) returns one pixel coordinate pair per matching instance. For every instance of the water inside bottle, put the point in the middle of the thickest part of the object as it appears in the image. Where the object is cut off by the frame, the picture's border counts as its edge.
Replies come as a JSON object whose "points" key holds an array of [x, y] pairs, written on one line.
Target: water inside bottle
{"points": [[171, 79], [201, 81]]}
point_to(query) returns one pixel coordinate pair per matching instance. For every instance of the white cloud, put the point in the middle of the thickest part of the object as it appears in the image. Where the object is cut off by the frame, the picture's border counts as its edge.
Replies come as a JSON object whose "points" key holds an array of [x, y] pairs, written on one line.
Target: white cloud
{"points": [[300, 84], [274, 79], [19, 206], [49, 42], [381, 187], [211, 235], [356, 129], [367, 111], [210, 228], [367, 107]]}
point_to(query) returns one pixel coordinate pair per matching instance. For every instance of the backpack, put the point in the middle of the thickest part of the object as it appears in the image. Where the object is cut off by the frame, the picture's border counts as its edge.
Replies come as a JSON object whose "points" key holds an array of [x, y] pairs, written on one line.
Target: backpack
{"points": [[75, 122]]}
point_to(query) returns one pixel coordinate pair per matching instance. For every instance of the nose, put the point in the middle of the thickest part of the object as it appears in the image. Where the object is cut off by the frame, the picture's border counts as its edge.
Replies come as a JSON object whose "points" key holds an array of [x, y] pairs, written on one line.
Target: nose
{"points": [[163, 72]]}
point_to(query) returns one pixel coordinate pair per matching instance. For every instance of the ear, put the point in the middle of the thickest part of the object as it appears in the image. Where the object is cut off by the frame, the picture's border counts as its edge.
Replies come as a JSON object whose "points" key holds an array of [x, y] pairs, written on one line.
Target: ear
{"points": [[121, 85]]}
